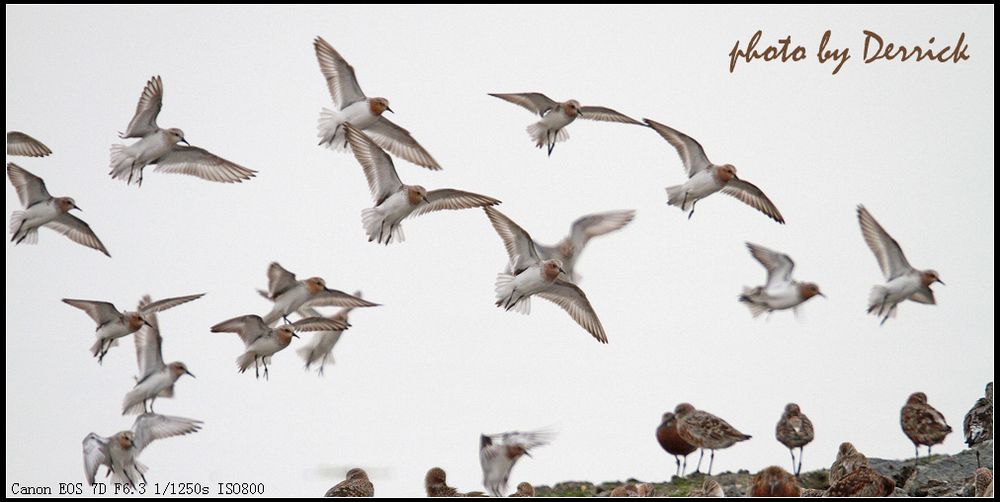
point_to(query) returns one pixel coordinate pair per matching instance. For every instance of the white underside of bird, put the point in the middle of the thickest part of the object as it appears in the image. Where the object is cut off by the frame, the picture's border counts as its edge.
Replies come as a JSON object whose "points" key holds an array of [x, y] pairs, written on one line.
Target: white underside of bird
{"points": [[158, 384], [551, 128], [697, 187], [382, 222], [514, 292], [330, 129], [884, 299]]}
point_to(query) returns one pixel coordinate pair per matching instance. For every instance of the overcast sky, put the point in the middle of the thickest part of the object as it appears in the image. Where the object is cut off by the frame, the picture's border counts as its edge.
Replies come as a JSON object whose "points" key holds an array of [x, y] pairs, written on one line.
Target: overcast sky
{"points": [[418, 379]]}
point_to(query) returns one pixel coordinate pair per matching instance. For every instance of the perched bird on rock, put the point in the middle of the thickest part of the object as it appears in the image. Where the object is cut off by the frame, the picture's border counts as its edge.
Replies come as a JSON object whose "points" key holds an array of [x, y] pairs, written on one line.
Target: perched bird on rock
{"points": [[794, 430], [923, 424], [978, 422], [706, 431], [436, 484], [862, 482], [356, 485], [848, 460]]}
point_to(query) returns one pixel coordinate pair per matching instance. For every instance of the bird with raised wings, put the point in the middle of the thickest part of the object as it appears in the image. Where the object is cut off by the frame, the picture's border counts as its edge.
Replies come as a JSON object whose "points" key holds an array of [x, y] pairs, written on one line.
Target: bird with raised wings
{"points": [[319, 350], [395, 201], [364, 113], [22, 145], [499, 452], [528, 275], [555, 116], [290, 294], [903, 282], [706, 178], [781, 291], [120, 452], [112, 324], [161, 147], [156, 378], [569, 249], [44, 210], [262, 341]]}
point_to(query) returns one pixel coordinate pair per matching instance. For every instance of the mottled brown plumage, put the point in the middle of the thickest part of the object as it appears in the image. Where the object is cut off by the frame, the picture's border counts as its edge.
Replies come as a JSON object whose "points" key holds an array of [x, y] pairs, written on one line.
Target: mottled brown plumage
{"points": [[646, 489], [524, 490], [626, 490], [773, 482], [356, 485], [863, 482], [672, 442], [923, 424], [978, 422], [812, 492], [706, 431], [984, 482], [709, 488], [436, 485], [848, 460], [794, 430]]}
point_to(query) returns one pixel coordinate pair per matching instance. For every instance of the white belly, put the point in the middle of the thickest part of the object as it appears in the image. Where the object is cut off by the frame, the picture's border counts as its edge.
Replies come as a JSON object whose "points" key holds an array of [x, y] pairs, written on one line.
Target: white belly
{"points": [[40, 214], [396, 208], [113, 330], [266, 346], [902, 287], [359, 114], [556, 119], [701, 185], [150, 148]]}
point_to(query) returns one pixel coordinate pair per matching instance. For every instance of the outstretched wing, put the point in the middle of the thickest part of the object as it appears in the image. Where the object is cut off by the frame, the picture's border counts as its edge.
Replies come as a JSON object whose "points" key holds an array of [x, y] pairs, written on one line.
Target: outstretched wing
{"points": [[754, 197], [606, 115], [597, 224], [887, 251], [168, 303], [248, 327], [400, 143], [150, 103], [77, 231], [95, 454], [534, 102], [339, 75], [573, 300], [30, 188], [148, 344], [22, 145], [378, 167], [101, 312], [194, 161], [450, 199], [692, 154], [149, 427], [335, 298], [320, 324], [279, 280], [520, 247], [779, 266]]}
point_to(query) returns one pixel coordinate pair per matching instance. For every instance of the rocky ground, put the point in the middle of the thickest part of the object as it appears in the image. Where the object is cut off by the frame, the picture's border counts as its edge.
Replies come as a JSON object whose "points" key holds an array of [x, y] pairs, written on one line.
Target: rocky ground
{"points": [[940, 475]]}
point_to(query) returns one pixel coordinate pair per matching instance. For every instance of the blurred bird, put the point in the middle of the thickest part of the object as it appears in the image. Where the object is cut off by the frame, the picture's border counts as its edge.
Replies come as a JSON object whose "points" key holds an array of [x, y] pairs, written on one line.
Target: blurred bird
{"points": [[524, 490], [22, 145], [262, 341], [903, 282], [555, 116], [435, 482], [706, 178], [978, 422], [120, 452], [923, 424], [160, 146], [849, 459], [569, 249], [319, 350], [794, 430], [773, 482], [290, 294], [706, 431], [395, 201], [862, 482], [112, 324], [781, 291], [44, 210], [352, 107], [709, 488], [671, 441], [529, 275], [626, 490], [356, 485], [499, 452], [155, 378], [983, 482]]}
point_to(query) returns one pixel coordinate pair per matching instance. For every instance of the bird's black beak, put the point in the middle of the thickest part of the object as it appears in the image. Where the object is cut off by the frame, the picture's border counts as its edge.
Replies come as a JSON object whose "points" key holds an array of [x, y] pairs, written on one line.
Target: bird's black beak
{"points": [[389, 110], [147, 323], [184, 141], [942, 282], [76, 207], [528, 453], [190, 374], [295, 335], [425, 199], [821, 294]]}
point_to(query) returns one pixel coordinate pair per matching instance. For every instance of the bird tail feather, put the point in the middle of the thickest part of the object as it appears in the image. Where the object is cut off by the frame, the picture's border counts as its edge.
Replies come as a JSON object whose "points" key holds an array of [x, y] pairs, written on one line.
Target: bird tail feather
{"points": [[505, 295], [331, 130], [541, 135]]}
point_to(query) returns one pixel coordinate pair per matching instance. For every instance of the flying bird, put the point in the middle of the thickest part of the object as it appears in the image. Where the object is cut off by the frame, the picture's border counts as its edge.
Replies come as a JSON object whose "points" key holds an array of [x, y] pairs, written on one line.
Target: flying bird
{"points": [[319, 350], [352, 107], [22, 145], [583, 229], [706, 178], [922, 423], [781, 291], [120, 452], [499, 452], [356, 484], [160, 146], [529, 275], [903, 282], [155, 379], [555, 116], [290, 294], [262, 341], [112, 324], [44, 210], [706, 431], [395, 201]]}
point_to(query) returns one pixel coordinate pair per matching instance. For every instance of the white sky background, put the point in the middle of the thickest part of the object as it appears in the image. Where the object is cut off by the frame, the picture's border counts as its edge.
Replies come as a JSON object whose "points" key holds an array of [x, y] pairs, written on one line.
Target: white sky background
{"points": [[417, 380]]}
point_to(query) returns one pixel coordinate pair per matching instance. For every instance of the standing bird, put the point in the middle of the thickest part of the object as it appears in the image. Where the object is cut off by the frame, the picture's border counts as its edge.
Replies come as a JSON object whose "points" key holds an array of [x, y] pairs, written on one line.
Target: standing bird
{"points": [[395, 201], [862, 482], [352, 107], [155, 378], [499, 452], [983, 483], [978, 422], [22, 145], [524, 490], [849, 459], [555, 116], [290, 294], [709, 488], [781, 291], [44, 210], [319, 350], [357, 484], [569, 249], [923, 424], [706, 431], [794, 430], [706, 178], [903, 282], [773, 482], [262, 341], [120, 452], [672, 442], [160, 147], [112, 324], [436, 484], [530, 275]]}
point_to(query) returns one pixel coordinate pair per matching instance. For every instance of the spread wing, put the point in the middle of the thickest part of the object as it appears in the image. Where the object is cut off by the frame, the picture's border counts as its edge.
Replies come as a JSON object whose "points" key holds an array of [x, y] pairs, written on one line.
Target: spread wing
{"points": [[148, 344], [95, 454], [248, 327], [754, 197], [279, 280], [168, 303], [21, 144], [597, 224], [924, 295], [606, 115], [144, 121], [400, 143], [101, 312], [30, 188], [78, 231], [572, 299], [692, 154], [149, 427], [520, 248], [335, 298], [534, 102], [887, 251], [378, 167], [339, 75], [779, 265], [320, 324], [199, 162], [450, 199]]}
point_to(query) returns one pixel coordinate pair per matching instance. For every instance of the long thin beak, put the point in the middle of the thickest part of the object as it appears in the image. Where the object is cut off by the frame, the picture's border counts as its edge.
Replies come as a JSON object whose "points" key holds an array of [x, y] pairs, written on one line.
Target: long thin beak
{"points": [[942, 282], [389, 110], [821, 294], [562, 271], [184, 141], [147, 323], [528, 453], [189, 373], [295, 335], [425, 199], [76, 207]]}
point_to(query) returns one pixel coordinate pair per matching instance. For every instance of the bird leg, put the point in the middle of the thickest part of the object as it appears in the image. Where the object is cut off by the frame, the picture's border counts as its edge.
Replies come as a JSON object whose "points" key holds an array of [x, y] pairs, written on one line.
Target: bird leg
{"points": [[692, 210], [151, 402], [264, 361], [256, 371], [678, 460], [799, 470], [701, 455], [711, 461], [684, 467], [916, 458], [792, 452]]}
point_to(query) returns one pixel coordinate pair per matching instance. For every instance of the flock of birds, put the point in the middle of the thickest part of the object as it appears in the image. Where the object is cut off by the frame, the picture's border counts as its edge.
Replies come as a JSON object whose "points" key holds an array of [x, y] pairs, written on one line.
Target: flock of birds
{"points": [[358, 124]]}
